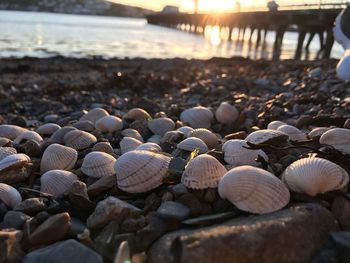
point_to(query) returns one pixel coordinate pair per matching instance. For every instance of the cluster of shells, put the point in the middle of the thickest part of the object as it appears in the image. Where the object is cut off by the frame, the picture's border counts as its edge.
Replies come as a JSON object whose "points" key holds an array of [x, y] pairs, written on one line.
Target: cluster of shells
{"points": [[139, 150]]}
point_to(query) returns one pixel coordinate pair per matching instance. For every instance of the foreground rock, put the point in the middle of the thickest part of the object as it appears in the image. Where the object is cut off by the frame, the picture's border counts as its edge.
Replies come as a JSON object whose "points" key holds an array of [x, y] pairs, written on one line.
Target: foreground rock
{"points": [[290, 235], [10, 248]]}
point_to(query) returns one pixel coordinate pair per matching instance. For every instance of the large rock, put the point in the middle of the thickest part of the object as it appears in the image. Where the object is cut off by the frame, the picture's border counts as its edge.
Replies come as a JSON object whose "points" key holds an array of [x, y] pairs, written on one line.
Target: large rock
{"points": [[65, 251], [290, 235], [10, 248]]}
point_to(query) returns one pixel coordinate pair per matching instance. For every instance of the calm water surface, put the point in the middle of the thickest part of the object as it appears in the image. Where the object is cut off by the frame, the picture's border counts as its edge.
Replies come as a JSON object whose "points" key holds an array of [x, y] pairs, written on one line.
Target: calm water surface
{"points": [[45, 34]]}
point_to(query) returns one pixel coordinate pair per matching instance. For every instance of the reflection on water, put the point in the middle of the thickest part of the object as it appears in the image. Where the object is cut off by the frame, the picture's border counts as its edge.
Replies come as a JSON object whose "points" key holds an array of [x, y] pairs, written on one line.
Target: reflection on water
{"points": [[44, 34]]}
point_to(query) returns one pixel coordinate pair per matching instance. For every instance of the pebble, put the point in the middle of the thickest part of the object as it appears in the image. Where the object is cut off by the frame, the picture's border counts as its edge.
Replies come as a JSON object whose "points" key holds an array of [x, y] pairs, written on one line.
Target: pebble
{"points": [[341, 241], [15, 219], [10, 247], [31, 206], [102, 185], [173, 211], [178, 190], [341, 210], [133, 224]]}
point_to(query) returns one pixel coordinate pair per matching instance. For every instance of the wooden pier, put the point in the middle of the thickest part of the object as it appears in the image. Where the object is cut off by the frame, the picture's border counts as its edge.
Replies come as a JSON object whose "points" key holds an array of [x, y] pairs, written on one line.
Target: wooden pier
{"points": [[314, 21]]}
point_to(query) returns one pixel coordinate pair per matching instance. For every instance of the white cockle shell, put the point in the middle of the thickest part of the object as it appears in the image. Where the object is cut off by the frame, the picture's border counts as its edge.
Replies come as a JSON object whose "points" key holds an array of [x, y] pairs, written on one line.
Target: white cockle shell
{"points": [[98, 164], [149, 146], [155, 139], [210, 139], [58, 136], [105, 147], [160, 126], [128, 144], [314, 176], [226, 113], [203, 171], [79, 140], [317, 132], [11, 131], [271, 137], [9, 195], [94, 115], [253, 190], [137, 114], [193, 143], [185, 130], [87, 126], [141, 171], [197, 117], [294, 133], [47, 129], [133, 134], [109, 124], [58, 157], [274, 125], [57, 182], [339, 138], [28, 136], [236, 154], [6, 151]]}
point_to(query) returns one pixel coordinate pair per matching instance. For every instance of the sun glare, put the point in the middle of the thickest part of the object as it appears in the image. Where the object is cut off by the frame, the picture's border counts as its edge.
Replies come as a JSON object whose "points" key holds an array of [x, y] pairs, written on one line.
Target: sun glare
{"points": [[216, 5]]}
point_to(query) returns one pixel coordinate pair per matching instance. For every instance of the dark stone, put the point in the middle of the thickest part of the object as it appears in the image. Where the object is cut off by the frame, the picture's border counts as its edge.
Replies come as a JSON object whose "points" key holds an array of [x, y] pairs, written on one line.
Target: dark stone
{"points": [[133, 224], [290, 235], [15, 219], [341, 241], [152, 202], [178, 190], [102, 185], [173, 211], [10, 248], [3, 211], [341, 211], [42, 216], [31, 206], [326, 256], [192, 202]]}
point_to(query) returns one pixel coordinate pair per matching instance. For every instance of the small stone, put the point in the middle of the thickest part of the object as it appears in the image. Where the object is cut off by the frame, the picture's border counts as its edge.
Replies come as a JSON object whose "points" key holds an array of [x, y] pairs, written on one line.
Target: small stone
{"points": [[315, 73], [31, 206], [53, 229], [15, 219], [167, 196], [341, 241], [111, 209], [192, 202], [78, 188], [66, 251], [178, 190], [41, 216], [210, 195], [139, 258], [102, 185], [76, 227], [3, 211], [133, 224], [341, 211], [173, 211], [10, 248], [326, 256], [152, 202]]}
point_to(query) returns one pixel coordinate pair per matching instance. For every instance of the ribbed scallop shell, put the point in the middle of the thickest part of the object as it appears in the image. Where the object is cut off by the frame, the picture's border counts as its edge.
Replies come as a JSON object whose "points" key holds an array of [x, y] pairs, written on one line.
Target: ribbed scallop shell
{"points": [[87, 126], [47, 129], [317, 132], [210, 139], [58, 136], [161, 125], [141, 171], [128, 144], [14, 168], [149, 146], [313, 176], [105, 147], [226, 113], [236, 154], [79, 140], [192, 143], [137, 114], [155, 139], [58, 157], [274, 125], [6, 151], [271, 137], [185, 129], [294, 133], [253, 190], [339, 138], [109, 124], [11, 131], [98, 164], [197, 117], [173, 136], [133, 134], [57, 182], [9, 195], [28, 136], [94, 115], [204, 171]]}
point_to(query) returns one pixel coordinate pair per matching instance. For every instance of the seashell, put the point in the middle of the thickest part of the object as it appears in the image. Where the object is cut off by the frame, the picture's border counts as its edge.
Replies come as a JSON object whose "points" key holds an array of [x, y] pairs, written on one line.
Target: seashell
{"points": [[133, 134], [339, 138], [58, 157], [197, 117], [204, 171], [79, 140], [137, 114], [128, 144], [155, 139], [11, 131], [98, 164], [28, 136], [87, 126], [141, 171], [317, 132], [5, 142], [235, 153], [313, 176], [294, 133], [226, 113], [9, 195], [270, 137], [57, 136], [14, 168], [94, 115], [6, 151], [57, 182], [193, 143], [47, 129], [274, 125], [161, 125], [210, 139], [185, 129], [105, 147], [173, 136], [109, 124], [149, 146], [253, 190]]}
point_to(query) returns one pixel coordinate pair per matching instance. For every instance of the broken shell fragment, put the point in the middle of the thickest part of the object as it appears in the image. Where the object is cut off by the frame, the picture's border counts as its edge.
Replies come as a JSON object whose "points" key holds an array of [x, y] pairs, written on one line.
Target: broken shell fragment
{"points": [[9, 195], [193, 143], [98, 164], [94, 115], [109, 124], [79, 140], [339, 138], [161, 125], [197, 117], [210, 139], [57, 182], [314, 176], [15, 168], [294, 133], [253, 190], [128, 144], [11, 131], [270, 137], [226, 113]]}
